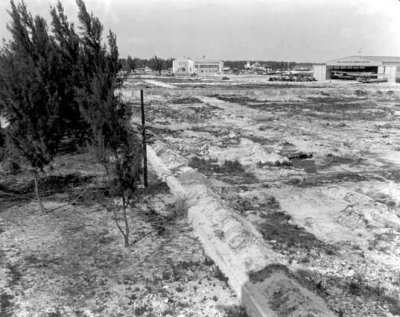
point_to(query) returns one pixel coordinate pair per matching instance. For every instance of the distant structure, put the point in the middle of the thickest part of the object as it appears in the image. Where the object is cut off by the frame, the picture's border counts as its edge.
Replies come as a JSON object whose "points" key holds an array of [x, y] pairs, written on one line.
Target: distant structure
{"points": [[256, 67], [378, 68], [200, 66]]}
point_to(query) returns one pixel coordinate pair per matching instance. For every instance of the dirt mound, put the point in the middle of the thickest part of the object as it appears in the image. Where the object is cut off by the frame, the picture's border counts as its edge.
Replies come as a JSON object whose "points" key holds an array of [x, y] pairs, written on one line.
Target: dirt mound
{"points": [[248, 152]]}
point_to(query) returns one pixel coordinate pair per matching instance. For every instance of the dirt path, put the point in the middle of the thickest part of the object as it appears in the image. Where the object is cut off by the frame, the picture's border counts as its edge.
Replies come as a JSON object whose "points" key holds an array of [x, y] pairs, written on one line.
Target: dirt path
{"points": [[159, 84]]}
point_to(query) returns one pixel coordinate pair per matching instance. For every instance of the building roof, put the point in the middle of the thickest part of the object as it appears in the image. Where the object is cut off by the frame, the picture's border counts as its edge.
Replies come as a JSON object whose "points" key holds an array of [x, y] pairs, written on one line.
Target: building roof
{"points": [[365, 60], [384, 59], [183, 59], [206, 61]]}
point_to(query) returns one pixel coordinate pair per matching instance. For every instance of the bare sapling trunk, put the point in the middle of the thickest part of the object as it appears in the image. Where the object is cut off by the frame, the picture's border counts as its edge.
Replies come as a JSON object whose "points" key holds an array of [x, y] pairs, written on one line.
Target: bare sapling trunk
{"points": [[126, 235], [39, 200], [125, 197]]}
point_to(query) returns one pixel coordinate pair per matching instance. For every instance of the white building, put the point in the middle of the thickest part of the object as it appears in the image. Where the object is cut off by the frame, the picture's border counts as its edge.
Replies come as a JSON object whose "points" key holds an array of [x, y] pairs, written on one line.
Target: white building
{"points": [[200, 66], [378, 67], [319, 71], [183, 66], [207, 67]]}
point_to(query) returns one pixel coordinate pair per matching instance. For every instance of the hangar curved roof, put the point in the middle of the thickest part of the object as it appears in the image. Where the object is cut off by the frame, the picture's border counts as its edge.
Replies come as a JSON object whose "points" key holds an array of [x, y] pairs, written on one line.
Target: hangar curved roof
{"points": [[365, 61]]}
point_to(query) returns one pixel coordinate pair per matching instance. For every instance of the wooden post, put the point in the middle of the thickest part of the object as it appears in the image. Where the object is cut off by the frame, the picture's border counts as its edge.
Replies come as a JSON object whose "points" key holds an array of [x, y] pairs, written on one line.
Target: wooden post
{"points": [[144, 141], [39, 200]]}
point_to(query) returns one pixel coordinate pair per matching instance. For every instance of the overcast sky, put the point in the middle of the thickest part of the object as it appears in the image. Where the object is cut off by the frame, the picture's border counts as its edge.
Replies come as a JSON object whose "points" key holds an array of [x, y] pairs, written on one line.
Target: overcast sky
{"points": [[290, 30]]}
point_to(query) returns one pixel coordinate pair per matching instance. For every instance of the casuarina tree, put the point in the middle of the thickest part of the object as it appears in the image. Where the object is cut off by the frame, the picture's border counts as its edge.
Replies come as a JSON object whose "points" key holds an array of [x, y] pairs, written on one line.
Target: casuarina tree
{"points": [[71, 71], [115, 145], [30, 95], [65, 83]]}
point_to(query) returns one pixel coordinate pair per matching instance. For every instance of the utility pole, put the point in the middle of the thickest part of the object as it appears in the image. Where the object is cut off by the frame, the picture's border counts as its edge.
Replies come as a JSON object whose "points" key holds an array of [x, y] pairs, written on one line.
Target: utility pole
{"points": [[144, 142]]}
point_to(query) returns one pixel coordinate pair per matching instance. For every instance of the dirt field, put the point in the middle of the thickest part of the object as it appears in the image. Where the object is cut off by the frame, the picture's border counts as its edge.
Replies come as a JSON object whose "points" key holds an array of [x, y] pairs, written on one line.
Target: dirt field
{"points": [[313, 166]]}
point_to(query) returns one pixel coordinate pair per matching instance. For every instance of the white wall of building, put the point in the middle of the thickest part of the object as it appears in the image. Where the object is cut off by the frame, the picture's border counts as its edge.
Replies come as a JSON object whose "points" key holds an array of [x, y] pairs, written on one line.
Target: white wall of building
{"points": [[200, 67], [388, 72], [183, 66], [204, 67], [319, 72]]}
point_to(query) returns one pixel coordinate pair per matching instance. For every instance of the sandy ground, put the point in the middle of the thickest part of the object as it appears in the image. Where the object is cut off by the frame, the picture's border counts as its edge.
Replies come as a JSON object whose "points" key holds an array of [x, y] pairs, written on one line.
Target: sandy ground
{"points": [[72, 262], [313, 166]]}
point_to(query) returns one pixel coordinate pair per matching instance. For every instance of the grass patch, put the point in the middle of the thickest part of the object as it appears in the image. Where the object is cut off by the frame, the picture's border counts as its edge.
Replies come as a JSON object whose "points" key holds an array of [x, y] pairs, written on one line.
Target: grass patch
{"points": [[190, 114], [358, 287], [261, 140], [333, 100], [15, 274], [186, 100], [6, 305], [238, 99], [12, 167], [168, 312], [278, 227], [154, 188], [141, 310], [231, 172], [203, 165], [333, 160], [298, 160], [219, 275], [235, 311], [242, 204], [354, 287], [330, 108], [211, 165], [232, 167], [48, 184], [307, 165], [331, 178], [178, 209], [360, 93], [261, 275]]}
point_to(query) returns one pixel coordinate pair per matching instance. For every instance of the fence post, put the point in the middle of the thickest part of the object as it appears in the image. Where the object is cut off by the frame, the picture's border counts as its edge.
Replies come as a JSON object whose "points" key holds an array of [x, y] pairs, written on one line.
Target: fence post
{"points": [[145, 183]]}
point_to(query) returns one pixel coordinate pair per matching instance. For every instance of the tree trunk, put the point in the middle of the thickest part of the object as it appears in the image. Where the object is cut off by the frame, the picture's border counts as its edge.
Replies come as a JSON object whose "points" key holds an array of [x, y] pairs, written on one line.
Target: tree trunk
{"points": [[126, 241], [126, 235], [39, 200]]}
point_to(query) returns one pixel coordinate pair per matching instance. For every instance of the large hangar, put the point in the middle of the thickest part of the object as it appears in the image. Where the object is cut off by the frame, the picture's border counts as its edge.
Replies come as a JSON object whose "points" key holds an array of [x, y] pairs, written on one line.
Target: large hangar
{"points": [[385, 68]]}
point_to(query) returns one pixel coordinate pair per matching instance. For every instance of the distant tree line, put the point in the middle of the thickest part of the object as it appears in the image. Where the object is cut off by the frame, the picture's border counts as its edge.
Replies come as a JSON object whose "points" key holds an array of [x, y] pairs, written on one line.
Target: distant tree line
{"points": [[158, 64], [61, 83], [155, 63]]}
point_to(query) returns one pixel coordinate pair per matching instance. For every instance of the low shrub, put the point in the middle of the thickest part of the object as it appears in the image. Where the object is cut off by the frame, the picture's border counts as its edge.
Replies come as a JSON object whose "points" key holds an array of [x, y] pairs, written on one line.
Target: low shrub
{"points": [[13, 167], [181, 207]]}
